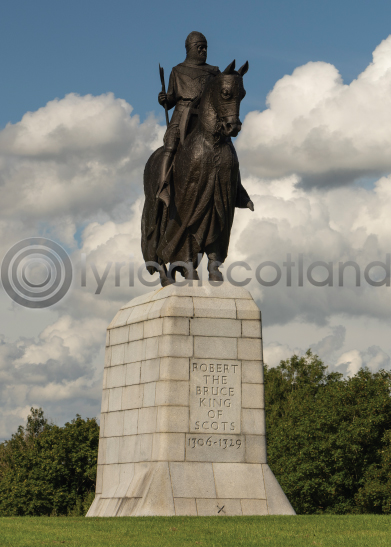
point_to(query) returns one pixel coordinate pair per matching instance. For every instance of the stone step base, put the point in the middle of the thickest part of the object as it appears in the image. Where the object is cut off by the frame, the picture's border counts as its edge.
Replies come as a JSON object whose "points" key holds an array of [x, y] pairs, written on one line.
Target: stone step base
{"points": [[194, 489]]}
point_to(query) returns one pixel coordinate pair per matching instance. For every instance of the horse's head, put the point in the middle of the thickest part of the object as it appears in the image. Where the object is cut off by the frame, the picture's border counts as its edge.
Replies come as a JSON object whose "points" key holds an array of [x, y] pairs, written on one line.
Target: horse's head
{"points": [[226, 94]]}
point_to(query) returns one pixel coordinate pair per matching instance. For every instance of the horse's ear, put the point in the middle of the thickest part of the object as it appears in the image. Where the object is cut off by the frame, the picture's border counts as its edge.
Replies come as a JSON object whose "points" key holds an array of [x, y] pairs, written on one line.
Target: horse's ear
{"points": [[243, 69], [230, 68]]}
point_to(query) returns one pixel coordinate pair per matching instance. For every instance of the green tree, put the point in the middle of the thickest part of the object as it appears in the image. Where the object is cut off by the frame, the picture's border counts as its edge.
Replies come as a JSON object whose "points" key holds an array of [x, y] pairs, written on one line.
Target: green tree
{"points": [[46, 469], [325, 432], [375, 495]]}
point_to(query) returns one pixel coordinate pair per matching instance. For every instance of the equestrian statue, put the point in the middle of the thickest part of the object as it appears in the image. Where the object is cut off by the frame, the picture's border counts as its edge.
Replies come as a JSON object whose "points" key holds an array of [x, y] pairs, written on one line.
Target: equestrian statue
{"points": [[192, 184]]}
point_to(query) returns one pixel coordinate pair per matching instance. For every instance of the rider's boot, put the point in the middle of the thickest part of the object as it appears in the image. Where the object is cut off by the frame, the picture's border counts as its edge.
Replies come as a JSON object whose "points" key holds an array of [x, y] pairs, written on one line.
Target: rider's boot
{"points": [[213, 268], [163, 192]]}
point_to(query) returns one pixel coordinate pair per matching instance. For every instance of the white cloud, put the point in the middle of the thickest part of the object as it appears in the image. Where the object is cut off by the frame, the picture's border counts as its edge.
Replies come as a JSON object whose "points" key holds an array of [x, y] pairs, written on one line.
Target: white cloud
{"points": [[374, 358], [73, 160], [343, 224], [66, 339], [353, 361], [61, 371], [73, 169], [318, 127], [327, 348], [275, 352]]}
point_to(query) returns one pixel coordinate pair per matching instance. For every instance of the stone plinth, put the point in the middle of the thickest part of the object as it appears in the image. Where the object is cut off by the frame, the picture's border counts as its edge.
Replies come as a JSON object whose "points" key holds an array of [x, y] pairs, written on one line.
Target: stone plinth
{"points": [[183, 420]]}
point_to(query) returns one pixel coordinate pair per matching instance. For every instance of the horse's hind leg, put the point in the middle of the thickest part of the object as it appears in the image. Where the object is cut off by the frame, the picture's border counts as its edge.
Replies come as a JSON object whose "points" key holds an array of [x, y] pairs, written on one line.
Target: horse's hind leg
{"points": [[165, 279], [213, 267]]}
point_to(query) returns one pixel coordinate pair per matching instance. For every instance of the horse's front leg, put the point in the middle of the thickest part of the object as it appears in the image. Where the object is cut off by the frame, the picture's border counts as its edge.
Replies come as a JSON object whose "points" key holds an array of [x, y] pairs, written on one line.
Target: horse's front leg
{"points": [[190, 271]]}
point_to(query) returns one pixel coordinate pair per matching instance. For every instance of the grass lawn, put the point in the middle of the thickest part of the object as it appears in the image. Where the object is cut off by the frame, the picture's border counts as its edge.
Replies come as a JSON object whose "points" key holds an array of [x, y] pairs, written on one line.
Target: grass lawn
{"points": [[300, 531]]}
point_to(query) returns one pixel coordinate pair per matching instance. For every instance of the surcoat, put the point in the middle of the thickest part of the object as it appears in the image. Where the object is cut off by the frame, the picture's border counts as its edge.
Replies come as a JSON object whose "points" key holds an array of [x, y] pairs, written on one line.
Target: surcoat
{"points": [[187, 82]]}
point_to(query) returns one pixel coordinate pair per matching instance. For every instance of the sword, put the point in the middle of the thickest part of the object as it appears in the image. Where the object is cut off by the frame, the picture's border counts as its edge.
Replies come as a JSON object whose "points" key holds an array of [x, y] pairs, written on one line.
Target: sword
{"points": [[161, 72]]}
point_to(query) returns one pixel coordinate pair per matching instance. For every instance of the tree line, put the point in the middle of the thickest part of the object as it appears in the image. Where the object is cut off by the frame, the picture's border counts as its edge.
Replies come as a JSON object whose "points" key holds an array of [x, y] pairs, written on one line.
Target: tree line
{"points": [[329, 445], [49, 470], [329, 437]]}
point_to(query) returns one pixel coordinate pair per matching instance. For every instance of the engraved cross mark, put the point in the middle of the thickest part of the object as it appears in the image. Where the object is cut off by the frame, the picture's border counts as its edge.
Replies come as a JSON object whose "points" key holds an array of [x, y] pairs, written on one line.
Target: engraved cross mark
{"points": [[220, 509]]}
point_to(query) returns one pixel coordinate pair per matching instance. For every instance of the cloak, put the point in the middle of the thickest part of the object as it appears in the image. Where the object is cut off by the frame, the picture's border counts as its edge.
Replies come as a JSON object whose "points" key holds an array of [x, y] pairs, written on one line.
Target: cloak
{"points": [[206, 188]]}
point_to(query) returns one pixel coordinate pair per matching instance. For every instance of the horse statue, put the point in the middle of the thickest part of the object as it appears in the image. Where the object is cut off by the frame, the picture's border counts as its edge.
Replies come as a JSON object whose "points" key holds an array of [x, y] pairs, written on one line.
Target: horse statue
{"points": [[205, 187]]}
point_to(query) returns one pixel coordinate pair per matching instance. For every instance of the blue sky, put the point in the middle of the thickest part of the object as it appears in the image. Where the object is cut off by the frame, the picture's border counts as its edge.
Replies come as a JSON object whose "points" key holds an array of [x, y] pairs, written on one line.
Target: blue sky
{"points": [[50, 48]]}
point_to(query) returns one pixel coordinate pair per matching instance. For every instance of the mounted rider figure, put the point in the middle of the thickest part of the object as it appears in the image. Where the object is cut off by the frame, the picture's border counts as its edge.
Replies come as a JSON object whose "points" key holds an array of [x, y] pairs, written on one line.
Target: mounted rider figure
{"points": [[186, 85]]}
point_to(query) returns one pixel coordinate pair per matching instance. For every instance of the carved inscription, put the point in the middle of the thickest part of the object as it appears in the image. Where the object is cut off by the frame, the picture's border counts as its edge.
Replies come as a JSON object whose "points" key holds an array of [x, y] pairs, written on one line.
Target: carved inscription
{"points": [[215, 397], [214, 440], [215, 448]]}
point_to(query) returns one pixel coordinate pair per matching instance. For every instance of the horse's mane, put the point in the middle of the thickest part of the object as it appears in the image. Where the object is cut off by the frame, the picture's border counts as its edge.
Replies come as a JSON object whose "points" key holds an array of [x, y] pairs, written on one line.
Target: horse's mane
{"points": [[207, 115]]}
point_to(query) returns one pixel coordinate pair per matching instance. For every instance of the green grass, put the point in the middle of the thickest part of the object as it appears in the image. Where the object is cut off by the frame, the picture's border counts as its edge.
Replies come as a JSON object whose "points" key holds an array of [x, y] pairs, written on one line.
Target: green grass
{"points": [[365, 530]]}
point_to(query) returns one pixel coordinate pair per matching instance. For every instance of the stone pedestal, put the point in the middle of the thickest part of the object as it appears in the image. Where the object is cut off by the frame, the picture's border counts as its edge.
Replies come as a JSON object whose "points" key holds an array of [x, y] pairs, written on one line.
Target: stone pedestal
{"points": [[183, 419]]}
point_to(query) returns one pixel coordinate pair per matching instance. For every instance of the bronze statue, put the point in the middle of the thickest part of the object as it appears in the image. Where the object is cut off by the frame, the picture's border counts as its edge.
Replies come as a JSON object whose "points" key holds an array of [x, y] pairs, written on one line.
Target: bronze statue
{"points": [[192, 184]]}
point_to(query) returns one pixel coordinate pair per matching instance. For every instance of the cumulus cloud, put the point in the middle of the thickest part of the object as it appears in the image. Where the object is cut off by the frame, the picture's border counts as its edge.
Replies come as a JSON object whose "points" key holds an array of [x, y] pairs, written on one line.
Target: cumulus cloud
{"points": [[71, 171], [374, 358], [58, 371], [327, 349], [275, 352], [321, 129], [72, 161], [318, 227]]}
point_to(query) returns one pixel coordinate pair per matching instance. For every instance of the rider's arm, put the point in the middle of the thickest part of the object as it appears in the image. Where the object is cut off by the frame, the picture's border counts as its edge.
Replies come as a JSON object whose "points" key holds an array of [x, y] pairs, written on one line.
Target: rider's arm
{"points": [[169, 98]]}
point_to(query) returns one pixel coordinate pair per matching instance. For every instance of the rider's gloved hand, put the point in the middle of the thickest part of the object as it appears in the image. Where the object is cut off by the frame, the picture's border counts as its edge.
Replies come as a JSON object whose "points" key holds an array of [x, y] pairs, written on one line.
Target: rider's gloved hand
{"points": [[162, 98]]}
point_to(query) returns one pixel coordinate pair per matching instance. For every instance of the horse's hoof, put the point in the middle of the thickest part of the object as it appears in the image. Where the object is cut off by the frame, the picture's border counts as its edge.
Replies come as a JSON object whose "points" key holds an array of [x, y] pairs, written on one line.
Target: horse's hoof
{"points": [[166, 282], [216, 276]]}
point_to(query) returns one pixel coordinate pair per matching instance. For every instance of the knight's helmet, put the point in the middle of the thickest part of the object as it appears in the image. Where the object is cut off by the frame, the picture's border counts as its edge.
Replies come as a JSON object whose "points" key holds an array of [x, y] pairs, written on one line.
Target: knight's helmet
{"points": [[193, 39]]}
